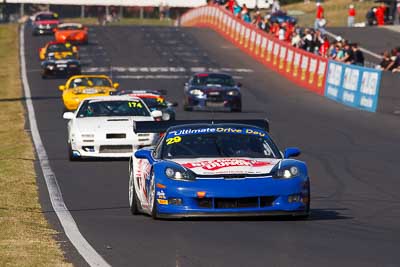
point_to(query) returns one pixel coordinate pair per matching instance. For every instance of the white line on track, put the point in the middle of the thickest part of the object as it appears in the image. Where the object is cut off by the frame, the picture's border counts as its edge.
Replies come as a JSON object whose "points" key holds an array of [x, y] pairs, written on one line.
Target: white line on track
{"points": [[164, 69], [70, 228]]}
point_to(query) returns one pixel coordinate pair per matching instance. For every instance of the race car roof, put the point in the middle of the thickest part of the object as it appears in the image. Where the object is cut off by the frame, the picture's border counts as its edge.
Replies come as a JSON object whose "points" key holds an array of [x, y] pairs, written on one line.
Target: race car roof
{"points": [[164, 126]]}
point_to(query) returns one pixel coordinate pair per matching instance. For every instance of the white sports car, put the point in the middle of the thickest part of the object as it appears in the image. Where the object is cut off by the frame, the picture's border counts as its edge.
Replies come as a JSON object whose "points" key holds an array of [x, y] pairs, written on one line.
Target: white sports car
{"points": [[103, 127]]}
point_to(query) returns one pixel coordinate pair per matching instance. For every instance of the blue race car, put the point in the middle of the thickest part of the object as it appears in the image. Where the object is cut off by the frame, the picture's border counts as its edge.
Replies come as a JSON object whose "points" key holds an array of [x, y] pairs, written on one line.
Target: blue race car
{"points": [[216, 168], [212, 91]]}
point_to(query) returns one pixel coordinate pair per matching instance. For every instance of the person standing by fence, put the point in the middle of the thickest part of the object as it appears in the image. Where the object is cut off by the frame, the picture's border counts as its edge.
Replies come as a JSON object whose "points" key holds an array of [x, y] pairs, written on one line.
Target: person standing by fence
{"points": [[319, 16], [351, 17]]}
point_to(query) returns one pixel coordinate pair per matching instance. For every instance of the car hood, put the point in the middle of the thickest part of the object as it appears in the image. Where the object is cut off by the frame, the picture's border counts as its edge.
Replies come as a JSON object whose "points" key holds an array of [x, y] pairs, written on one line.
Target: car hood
{"points": [[216, 166], [210, 88], [45, 22], [108, 124]]}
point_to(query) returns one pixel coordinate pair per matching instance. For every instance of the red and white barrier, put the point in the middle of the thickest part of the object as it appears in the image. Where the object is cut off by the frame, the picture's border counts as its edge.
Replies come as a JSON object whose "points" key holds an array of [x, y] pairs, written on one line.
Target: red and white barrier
{"points": [[304, 68]]}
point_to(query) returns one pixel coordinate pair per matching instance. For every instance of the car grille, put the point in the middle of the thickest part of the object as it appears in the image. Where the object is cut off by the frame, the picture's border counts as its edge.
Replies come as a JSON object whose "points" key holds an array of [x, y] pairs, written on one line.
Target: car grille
{"points": [[236, 203], [116, 149], [116, 136]]}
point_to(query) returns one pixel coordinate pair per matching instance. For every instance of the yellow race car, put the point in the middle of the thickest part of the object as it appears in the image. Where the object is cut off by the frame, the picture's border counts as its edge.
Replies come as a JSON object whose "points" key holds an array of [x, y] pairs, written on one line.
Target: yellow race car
{"points": [[59, 50], [79, 87]]}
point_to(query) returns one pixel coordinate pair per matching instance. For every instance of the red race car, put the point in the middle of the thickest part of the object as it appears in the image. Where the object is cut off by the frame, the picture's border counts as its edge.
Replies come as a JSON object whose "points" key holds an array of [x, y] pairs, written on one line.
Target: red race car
{"points": [[44, 22], [71, 32]]}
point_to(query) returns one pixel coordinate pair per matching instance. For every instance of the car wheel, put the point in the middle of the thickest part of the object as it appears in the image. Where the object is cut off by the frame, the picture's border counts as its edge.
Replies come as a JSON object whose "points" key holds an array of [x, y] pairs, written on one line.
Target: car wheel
{"points": [[152, 200], [133, 199], [70, 154], [44, 76], [187, 108], [237, 109]]}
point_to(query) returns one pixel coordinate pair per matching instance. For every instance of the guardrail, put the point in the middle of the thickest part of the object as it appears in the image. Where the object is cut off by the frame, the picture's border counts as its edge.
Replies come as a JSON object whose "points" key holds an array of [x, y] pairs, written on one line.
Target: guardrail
{"points": [[348, 84]]}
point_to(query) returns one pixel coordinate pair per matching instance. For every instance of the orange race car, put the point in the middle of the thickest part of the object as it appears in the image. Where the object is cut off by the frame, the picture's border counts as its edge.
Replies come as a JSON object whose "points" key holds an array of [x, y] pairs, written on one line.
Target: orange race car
{"points": [[71, 32], [59, 50]]}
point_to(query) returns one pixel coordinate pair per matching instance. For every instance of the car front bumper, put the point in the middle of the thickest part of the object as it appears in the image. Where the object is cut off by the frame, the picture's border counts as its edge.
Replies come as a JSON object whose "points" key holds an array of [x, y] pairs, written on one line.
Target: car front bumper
{"points": [[110, 148], [229, 197], [204, 104]]}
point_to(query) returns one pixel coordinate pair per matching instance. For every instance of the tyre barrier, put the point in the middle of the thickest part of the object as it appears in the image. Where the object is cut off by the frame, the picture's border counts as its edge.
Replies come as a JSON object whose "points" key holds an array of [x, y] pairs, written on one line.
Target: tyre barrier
{"points": [[350, 85]]}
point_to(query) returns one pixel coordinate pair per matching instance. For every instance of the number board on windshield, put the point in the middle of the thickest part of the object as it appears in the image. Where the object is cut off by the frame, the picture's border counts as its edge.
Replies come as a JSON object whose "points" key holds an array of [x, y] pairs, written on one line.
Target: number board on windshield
{"points": [[135, 104]]}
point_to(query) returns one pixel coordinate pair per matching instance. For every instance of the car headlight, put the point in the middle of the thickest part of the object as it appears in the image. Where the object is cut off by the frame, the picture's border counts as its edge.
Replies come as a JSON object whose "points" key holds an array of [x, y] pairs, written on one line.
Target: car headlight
{"points": [[73, 66], [50, 67], [233, 93], [286, 173], [41, 26], [196, 92], [180, 174]]}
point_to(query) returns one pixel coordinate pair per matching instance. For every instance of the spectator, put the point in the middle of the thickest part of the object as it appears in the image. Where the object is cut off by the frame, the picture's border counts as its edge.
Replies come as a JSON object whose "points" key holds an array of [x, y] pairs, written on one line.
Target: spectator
{"points": [[386, 61], [324, 47], [348, 54], [358, 56], [282, 32], [245, 14], [380, 14], [319, 16], [296, 40], [230, 5], [351, 17], [395, 60], [275, 6]]}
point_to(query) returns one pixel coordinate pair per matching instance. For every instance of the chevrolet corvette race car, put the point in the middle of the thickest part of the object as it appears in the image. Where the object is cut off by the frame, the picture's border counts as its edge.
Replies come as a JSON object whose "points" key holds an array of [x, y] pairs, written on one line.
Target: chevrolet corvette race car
{"points": [[44, 22], [216, 169], [53, 67], [80, 87], [155, 100], [102, 127], [71, 32], [59, 50], [212, 91]]}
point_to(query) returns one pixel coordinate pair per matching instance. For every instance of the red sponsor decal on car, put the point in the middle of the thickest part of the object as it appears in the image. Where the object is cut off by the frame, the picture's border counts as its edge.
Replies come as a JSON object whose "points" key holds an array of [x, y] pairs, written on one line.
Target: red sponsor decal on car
{"points": [[225, 163]]}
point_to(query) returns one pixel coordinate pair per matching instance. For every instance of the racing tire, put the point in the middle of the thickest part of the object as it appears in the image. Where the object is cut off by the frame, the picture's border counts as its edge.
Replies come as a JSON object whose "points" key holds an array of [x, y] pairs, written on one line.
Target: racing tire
{"points": [[187, 108], [237, 109], [70, 154], [133, 199], [154, 212]]}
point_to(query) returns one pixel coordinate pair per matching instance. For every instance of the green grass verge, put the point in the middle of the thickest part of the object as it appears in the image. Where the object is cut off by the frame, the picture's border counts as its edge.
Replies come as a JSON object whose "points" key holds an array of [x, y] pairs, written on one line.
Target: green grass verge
{"points": [[123, 21], [335, 11], [25, 236]]}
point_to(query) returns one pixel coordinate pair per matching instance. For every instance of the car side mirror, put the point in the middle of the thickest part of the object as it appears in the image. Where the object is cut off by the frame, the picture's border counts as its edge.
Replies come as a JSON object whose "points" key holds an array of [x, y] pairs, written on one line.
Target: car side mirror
{"points": [[186, 84], [115, 85], [144, 154], [172, 104], [291, 152], [61, 87], [156, 114], [239, 84], [68, 115]]}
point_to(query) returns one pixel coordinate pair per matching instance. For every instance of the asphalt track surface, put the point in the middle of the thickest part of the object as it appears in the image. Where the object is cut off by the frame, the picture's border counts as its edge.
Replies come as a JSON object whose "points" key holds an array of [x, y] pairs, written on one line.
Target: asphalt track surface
{"points": [[352, 157]]}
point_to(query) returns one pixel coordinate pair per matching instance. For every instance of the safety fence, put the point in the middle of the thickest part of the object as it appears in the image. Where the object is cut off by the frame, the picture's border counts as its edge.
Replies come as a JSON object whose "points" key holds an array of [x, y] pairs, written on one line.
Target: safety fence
{"points": [[305, 69]]}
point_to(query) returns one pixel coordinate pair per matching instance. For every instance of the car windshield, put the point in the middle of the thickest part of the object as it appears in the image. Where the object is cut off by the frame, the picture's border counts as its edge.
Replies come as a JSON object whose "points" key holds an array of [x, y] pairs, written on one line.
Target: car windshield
{"points": [[113, 108], [90, 82], [219, 142], [69, 27], [156, 102], [59, 48], [213, 79], [46, 17]]}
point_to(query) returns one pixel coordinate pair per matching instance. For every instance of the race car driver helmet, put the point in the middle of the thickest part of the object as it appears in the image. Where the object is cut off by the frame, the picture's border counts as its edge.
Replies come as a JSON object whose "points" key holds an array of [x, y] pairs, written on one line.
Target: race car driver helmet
{"points": [[77, 82]]}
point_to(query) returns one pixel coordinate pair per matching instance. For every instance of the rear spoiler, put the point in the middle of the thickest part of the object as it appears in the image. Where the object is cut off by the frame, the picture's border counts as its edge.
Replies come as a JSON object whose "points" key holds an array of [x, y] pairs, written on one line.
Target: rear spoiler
{"points": [[162, 126], [146, 91]]}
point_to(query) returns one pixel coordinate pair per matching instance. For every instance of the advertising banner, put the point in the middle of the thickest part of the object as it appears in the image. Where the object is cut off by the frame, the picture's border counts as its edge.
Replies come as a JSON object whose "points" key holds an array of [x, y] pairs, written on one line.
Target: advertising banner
{"points": [[352, 85]]}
